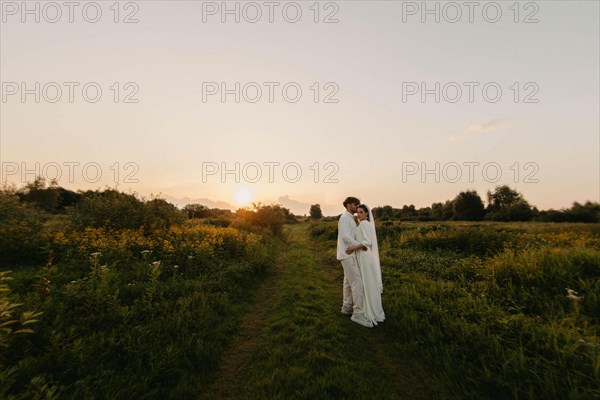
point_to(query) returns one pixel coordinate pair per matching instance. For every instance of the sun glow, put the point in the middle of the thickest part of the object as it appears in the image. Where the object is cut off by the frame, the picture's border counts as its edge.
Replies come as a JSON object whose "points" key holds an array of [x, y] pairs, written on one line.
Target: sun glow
{"points": [[243, 196]]}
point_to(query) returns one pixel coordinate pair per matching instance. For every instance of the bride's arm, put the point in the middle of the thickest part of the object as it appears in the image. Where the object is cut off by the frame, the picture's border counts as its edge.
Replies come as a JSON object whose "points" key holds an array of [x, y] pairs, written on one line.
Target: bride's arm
{"points": [[362, 237], [359, 246]]}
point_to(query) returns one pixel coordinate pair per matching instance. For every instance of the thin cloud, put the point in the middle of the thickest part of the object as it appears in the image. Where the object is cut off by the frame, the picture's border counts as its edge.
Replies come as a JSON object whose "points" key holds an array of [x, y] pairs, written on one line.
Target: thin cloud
{"points": [[295, 206], [183, 201], [478, 129]]}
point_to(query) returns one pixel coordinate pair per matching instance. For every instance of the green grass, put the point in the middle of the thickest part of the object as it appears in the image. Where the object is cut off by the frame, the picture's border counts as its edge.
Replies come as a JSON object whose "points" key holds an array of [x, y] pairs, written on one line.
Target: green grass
{"points": [[473, 311], [486, 306], [309, 350], [132, 327]]}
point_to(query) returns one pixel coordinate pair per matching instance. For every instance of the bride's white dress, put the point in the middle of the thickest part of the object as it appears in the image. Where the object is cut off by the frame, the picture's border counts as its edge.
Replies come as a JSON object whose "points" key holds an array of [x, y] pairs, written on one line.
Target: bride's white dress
{"points": [[370, 275]]}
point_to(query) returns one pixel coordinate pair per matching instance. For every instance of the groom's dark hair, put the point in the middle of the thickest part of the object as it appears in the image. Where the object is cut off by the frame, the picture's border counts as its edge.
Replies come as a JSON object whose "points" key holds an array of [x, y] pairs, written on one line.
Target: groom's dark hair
{"points": [[351, 200]]}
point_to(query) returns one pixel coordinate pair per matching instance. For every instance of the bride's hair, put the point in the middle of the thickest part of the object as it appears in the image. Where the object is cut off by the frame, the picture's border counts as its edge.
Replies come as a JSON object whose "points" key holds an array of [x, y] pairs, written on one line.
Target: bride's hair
{"points": [[364, 207]]}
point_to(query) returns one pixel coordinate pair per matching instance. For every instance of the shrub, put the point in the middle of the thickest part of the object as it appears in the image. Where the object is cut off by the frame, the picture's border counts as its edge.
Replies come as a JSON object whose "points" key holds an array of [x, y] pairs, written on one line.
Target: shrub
{"points": [[271, 217], [117, 210], [21, 229]]}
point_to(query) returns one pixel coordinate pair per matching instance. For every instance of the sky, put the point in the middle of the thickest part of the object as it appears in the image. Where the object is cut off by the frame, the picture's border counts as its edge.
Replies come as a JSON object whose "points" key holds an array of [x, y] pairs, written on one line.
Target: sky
{"points": [[300, 103]]}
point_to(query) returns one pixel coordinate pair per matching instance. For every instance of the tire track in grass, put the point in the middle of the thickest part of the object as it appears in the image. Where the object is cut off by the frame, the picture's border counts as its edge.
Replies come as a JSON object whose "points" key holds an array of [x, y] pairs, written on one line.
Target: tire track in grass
{"points": [[295, 344], [309, 349], [407, 378], [238, 356]]}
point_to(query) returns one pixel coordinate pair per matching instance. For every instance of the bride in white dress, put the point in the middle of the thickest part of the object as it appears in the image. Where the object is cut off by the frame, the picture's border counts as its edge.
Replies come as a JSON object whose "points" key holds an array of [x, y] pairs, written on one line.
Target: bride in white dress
{"points": [[367, 254]]}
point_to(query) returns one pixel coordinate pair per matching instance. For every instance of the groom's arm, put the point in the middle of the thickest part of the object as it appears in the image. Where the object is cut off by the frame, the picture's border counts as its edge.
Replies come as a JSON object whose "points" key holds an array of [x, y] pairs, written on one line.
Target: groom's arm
{"points": [[346, 231]]}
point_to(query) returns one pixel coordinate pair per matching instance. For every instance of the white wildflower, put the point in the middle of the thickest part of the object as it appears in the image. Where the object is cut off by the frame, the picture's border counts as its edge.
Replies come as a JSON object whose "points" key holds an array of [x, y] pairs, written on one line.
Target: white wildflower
{"points": [[573, 295]]}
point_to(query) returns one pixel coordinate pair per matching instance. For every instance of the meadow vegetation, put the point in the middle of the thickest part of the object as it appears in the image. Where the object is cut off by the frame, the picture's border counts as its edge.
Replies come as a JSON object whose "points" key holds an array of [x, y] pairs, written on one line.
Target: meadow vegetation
{"points": [[106, 295], [120, 298], [499, 310]]}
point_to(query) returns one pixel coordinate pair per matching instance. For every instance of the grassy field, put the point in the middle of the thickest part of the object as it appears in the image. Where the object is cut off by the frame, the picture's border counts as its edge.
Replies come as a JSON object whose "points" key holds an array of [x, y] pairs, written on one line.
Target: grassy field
{"points": [[127, 314], [502, 310], [473, 310], [304, 348]]}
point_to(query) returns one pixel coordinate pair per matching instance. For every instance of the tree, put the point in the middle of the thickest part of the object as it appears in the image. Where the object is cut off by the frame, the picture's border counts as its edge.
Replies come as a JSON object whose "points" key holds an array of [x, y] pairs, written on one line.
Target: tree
{"points": [[109, 208], [36, 192], [23, 239], [315, 211], [195, 211], [68, 197], [503, 197], [159, 213], [552, 216], [588, 212], [387, 212], [468, 206], [437, 211], [506, 204], [272, 216], [442, 211], [424, 214], [407, 213], [52, 198]]}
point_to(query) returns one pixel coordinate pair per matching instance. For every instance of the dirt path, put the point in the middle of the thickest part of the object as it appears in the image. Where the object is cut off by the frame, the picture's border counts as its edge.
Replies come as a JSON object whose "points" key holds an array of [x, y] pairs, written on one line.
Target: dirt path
{"points": [[243, 345], [407, 378], [294, 343]]}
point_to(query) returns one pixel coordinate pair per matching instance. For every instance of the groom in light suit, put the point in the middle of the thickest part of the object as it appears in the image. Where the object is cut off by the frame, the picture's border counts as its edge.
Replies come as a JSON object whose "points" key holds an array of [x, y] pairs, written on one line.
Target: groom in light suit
{"points": [[353, 284]]}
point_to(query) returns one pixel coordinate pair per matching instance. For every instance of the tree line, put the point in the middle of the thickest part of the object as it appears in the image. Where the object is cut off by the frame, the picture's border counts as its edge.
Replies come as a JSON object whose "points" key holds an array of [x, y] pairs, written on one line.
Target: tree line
{"points": [[111, 207], [28, 216], [503, 204]]}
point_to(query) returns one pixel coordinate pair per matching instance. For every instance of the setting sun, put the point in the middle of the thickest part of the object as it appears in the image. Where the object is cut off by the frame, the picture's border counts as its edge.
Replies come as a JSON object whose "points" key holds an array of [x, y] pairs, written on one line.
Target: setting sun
{"points": [[243, 196]]}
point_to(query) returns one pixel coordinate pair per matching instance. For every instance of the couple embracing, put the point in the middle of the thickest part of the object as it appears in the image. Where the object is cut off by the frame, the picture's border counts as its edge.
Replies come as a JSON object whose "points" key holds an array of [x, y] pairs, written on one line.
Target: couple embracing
{"points": [[358, 252]]}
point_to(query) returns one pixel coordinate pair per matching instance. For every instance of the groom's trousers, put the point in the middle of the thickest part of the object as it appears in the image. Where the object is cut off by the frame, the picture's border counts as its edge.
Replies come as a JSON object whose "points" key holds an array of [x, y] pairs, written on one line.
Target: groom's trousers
{"points": [[353, 286]]}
